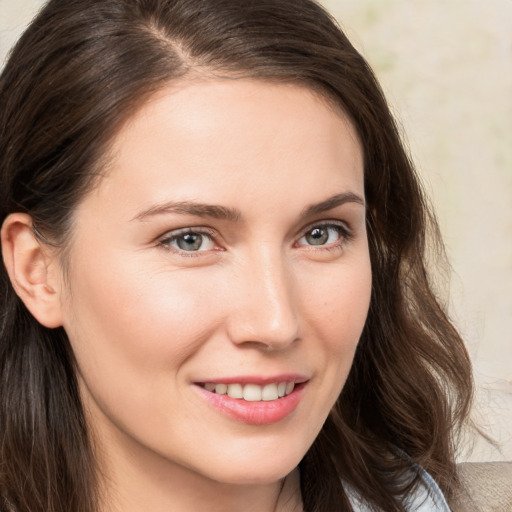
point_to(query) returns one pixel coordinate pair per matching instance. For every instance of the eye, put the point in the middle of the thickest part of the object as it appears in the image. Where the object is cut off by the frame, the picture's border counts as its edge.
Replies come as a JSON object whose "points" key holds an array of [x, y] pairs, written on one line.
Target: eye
{"points": [[324, 234], [189, 241]]}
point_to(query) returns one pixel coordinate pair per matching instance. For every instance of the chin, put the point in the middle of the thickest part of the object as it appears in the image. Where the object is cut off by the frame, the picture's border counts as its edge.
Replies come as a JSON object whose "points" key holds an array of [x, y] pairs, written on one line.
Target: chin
{"points": [[262, 475], [263, 467]]}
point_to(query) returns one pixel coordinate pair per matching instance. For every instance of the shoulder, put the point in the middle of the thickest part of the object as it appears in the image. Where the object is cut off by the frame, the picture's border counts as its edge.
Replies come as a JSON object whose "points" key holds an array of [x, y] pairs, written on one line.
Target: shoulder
{"points": [[425, 497]]}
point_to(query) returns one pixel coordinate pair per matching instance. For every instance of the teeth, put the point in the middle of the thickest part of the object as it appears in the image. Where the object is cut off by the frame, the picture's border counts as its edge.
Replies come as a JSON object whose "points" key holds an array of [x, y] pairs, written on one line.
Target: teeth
{"points": [[269, 392], [252, 392], [235, 391], [221, 389]]}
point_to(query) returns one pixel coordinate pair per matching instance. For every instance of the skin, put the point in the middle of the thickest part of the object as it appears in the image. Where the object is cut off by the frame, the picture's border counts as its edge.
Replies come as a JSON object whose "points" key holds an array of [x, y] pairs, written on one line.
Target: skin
{"points": [[148, 320]]}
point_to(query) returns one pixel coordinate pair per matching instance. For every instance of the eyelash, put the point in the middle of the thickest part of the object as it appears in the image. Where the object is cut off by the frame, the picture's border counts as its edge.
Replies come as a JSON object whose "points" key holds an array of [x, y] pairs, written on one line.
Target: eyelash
{"points": [[345, 235]]}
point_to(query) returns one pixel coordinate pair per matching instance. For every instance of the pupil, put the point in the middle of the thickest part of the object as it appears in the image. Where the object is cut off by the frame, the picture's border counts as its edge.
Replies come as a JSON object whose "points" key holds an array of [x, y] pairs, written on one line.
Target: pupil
{"points": [[190, 242], [317, 236]]}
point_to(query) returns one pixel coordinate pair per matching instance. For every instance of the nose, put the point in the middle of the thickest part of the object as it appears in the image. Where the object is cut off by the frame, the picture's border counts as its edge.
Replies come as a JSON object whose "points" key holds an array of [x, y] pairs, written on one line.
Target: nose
{"points": [[264, 312]]}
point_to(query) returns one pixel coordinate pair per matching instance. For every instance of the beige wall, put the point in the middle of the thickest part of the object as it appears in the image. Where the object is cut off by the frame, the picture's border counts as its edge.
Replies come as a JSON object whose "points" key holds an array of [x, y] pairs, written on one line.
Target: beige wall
{"points": [[446, 66]]}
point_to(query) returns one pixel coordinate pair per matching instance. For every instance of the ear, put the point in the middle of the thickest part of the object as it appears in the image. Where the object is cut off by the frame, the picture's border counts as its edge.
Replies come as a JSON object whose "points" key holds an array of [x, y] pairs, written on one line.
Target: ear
{"points": [[33, 269]]}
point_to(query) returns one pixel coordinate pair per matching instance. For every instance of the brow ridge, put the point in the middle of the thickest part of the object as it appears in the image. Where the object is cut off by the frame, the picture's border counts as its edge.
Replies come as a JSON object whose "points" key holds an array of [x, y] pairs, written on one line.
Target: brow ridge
{"points": [[192, 208], [332, 202], [234, 215]]}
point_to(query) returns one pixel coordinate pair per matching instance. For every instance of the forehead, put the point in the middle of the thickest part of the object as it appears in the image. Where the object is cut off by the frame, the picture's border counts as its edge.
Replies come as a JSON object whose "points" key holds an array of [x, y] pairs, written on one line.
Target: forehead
{"points": [[224, 139]]}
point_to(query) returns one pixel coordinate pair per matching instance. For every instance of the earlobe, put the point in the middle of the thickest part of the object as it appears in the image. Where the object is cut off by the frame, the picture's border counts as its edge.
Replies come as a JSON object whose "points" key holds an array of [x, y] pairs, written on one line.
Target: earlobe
{"points": [[28, 262]]}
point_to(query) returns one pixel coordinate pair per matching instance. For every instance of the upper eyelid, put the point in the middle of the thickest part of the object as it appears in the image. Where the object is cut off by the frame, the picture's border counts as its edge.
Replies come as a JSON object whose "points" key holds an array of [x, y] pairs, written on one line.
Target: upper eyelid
{"points": [[174, 233], [326, 223], [345, 231]]}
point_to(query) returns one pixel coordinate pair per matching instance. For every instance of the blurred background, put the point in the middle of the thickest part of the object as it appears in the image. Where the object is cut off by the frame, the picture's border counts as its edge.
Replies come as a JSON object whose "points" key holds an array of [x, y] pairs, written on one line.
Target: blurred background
{"points": [[446, 68]]}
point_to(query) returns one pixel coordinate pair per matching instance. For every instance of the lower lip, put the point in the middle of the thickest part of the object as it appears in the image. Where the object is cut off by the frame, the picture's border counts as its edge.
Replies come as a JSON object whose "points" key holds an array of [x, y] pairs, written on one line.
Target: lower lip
{"points": [[255, 413]]}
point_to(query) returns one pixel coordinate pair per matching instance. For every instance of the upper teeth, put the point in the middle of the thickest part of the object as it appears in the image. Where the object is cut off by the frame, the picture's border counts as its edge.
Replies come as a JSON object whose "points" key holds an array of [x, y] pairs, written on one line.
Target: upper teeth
{"points": [[252, 392]]}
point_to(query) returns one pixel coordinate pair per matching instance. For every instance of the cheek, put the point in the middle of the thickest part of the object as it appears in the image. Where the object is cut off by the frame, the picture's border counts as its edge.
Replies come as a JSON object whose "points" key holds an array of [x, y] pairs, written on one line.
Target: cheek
{"points": [[337, 301], [335, 304], [336, 309], [132, 334], [135, 321]]}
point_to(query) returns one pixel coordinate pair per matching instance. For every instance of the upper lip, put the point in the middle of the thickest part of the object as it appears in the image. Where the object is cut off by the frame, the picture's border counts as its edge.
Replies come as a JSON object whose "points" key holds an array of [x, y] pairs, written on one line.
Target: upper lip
{"points": [[257, 379]]}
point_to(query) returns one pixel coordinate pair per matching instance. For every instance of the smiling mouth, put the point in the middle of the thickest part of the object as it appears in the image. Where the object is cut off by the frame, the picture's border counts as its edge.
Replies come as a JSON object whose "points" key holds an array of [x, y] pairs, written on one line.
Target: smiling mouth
{"points": [[251, 392]]}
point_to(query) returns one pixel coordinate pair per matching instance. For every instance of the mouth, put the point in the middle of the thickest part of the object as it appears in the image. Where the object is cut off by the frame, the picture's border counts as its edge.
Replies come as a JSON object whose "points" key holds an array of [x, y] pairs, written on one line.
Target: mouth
{"points": [[251, 392], [253, 400]]}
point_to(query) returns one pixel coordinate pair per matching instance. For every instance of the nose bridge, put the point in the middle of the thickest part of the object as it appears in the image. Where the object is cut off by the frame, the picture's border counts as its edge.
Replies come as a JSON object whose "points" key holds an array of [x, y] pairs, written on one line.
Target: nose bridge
{"points": [[267, 311]]}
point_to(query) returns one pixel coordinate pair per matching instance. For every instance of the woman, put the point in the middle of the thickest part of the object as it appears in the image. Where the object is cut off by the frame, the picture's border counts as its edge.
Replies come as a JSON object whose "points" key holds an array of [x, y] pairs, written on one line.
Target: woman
{"points": [[214, 293]]}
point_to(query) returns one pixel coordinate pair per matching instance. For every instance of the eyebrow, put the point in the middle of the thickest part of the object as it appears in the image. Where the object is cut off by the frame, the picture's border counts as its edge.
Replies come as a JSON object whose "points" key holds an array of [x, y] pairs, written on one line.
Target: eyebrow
{"points": [[234, 215], [192, 208], [331, 203]]}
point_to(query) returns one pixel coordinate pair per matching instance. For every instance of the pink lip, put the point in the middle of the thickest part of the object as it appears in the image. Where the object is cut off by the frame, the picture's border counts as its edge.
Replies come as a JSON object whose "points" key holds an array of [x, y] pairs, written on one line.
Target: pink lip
{"points": [[259, 380], [255, 413]]}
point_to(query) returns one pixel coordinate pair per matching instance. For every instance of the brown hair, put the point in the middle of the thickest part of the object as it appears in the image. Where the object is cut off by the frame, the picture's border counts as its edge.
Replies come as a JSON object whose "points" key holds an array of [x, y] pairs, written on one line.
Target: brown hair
{"points": [[76, 74]]}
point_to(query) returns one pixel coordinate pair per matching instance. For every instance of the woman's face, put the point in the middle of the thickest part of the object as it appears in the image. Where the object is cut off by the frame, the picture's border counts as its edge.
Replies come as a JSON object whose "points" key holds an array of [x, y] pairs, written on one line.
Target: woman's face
{"points": [[225, 250]]}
